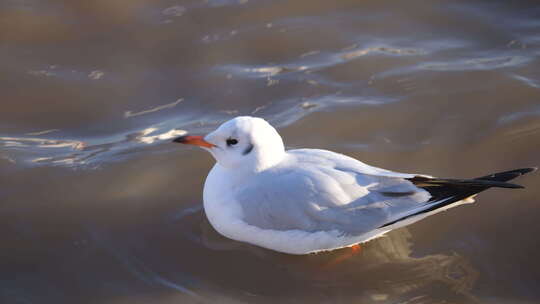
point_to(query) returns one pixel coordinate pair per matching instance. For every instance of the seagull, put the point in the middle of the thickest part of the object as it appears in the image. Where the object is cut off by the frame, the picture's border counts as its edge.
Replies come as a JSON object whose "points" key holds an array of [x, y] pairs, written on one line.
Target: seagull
{"points": [[305, 201]]}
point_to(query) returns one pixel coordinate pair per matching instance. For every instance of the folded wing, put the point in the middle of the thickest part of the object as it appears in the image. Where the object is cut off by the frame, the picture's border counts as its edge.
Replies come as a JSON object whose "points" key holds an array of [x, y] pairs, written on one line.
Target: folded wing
{"points": [[325, 191]]}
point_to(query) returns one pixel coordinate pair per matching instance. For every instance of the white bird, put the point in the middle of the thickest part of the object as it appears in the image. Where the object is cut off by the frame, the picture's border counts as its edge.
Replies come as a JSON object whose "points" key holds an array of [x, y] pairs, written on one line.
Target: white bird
{"points": [[308, 200]]}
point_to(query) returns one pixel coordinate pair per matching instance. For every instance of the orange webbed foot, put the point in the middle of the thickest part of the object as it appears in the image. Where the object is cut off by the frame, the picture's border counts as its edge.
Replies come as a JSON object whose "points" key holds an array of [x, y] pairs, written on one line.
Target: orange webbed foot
{"points": [[352, 251]]}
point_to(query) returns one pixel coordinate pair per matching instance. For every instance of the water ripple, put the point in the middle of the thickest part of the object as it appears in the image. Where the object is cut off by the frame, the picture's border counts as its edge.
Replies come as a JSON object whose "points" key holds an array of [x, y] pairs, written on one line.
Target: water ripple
{"points": [[528, 81], [311, 67], [512, 117], [96, 151], [473, 64], [66, 73], [379, 50], [138, 267], [467, 64], [129, 114], [33, 150]]}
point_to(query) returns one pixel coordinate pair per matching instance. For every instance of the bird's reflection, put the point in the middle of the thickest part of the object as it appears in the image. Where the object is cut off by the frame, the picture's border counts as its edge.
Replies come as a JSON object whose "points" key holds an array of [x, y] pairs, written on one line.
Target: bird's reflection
{"points": [[382, 270]]}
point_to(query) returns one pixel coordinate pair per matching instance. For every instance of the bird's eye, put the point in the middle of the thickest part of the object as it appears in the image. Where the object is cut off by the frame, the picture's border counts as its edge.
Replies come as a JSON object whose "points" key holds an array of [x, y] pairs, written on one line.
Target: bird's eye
{"points": [[231, 141]]}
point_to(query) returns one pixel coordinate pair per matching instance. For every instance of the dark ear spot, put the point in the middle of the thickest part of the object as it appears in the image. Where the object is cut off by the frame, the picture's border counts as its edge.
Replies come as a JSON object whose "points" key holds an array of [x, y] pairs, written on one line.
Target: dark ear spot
{"points": [[248, 149]]}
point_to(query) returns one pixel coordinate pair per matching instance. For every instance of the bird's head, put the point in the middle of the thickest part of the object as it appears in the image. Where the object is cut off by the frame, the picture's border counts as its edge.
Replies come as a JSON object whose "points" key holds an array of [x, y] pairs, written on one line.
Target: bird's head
{"points": [[242, 143]]}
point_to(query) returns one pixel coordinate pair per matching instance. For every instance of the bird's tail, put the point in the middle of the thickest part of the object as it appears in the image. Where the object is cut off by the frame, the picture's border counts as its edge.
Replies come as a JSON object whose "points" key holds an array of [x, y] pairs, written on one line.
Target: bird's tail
{"points": [[445, 192]]}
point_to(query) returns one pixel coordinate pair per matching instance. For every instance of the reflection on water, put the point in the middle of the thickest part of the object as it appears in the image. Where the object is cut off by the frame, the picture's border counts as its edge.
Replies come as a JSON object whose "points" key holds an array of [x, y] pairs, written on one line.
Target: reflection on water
{"points": [[97, 206], [382, 271], [393, 274]]}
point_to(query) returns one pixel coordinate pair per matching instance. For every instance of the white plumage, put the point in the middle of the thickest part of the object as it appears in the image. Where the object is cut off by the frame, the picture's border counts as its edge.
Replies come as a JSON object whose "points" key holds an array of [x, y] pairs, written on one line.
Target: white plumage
{"points": [[306, 200]]}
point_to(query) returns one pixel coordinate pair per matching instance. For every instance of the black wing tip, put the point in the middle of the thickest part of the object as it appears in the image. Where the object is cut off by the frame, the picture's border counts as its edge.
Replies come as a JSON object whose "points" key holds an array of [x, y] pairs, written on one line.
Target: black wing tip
{"points": [[523, 171], [432, 184], [530, 169], [503, 177]]}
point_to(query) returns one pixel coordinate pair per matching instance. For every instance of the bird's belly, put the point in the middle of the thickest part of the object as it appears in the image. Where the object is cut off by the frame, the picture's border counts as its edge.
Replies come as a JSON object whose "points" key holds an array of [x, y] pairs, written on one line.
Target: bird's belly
{"points": [[227, 218]]}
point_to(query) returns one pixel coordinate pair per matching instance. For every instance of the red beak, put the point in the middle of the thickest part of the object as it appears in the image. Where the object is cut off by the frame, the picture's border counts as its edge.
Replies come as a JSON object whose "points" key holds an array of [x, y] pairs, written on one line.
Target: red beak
{"points": [[193, 140]]}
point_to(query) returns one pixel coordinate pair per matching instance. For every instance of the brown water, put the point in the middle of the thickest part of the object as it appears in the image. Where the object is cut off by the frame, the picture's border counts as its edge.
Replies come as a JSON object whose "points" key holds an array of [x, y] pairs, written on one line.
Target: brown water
{"points": [[97, 206]]}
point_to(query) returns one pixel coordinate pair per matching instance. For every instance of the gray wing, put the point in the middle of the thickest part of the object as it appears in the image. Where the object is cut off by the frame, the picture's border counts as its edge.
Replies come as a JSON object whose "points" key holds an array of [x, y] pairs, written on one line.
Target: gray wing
{"points": [[321, 190]]}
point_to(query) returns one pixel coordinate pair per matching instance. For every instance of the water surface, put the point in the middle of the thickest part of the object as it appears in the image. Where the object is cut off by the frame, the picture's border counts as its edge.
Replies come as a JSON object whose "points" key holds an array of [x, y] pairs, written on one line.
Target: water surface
{"points": [[97, 206]]}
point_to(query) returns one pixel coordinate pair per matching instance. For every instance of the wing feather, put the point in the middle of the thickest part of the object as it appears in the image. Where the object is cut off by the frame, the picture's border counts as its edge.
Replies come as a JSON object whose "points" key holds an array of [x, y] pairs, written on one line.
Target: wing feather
{"points": [[320, 191]]}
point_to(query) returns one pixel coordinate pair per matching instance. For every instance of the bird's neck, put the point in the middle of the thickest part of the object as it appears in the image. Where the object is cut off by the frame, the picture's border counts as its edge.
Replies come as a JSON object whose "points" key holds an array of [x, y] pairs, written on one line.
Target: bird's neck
{"points": [[264, 160], [239, 175]]}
